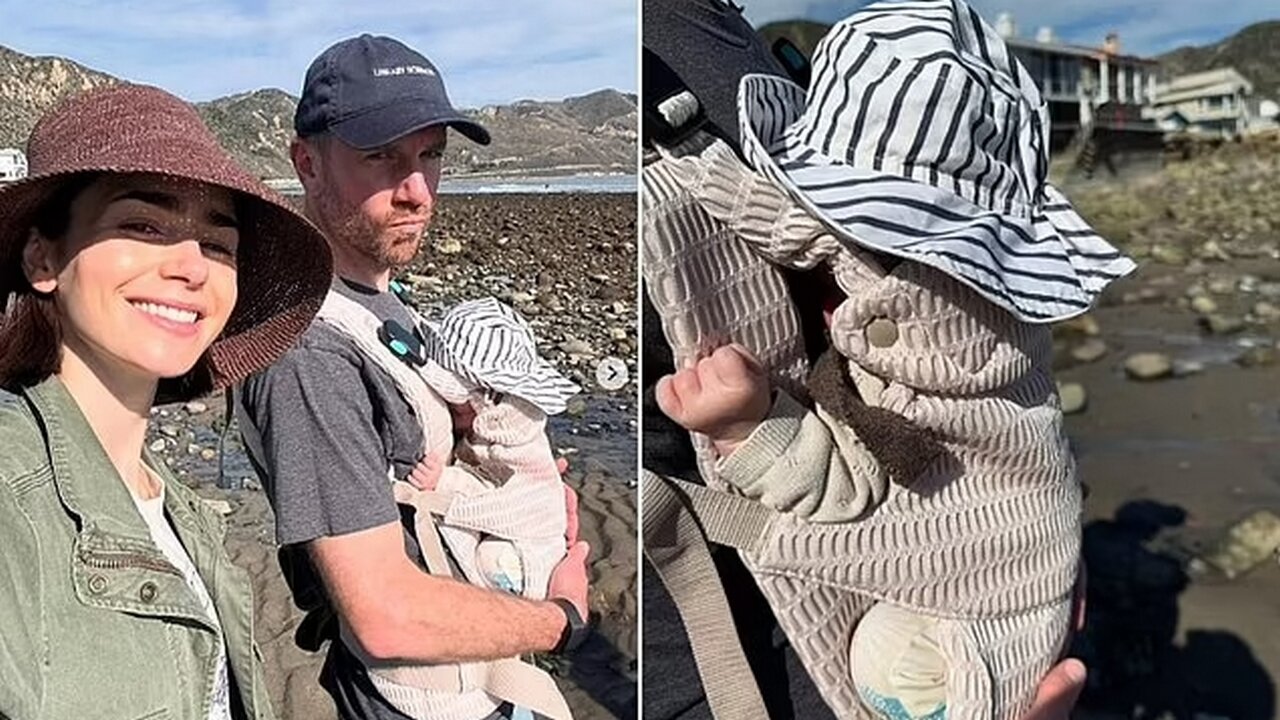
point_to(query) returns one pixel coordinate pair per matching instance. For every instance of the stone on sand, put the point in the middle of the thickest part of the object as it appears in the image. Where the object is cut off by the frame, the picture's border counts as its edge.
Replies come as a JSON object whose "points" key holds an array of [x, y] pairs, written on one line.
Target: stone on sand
{"points": [[1089, 351], [1148, 366], [1073, 397], [1247, 544]]}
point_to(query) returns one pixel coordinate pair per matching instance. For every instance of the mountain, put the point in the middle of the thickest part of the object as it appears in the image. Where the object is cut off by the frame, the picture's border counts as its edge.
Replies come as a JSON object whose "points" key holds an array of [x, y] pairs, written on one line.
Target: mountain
{"points": [[30, 85], [1254, 52], [591, 133]]}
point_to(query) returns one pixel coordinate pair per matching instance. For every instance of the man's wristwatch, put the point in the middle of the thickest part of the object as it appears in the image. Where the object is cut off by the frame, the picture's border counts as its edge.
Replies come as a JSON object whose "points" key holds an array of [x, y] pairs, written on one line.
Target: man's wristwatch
{"points": [[575, 628]]}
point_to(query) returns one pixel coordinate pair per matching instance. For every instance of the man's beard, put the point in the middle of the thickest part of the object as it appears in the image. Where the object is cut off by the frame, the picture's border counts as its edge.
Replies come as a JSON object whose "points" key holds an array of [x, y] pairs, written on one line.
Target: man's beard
{"points": [[346, 225]]}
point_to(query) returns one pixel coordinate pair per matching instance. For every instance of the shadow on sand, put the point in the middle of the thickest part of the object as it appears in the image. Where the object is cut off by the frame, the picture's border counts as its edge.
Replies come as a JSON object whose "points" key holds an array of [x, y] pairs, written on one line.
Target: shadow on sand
{"points": [[1137, 666]]}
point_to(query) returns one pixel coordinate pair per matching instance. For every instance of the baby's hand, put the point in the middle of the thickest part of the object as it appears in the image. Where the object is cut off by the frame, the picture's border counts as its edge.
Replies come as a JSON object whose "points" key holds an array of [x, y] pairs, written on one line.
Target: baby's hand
{"points": [[725, 396], [426, 474]]}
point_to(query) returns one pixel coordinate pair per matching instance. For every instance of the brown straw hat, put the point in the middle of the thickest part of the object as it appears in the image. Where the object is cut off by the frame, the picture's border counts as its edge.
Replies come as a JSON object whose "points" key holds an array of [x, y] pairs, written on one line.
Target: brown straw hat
{"points": [[284, 262]]}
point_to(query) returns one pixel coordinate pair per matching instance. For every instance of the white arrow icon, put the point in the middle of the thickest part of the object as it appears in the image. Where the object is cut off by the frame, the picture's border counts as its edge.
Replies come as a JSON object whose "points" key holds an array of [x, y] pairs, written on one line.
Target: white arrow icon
{"points": [[611, 373]]}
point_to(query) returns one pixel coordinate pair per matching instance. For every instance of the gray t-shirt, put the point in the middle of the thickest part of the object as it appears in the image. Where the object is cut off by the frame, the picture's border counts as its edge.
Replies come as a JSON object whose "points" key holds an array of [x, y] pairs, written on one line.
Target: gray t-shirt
{"points": [[331, 423]]}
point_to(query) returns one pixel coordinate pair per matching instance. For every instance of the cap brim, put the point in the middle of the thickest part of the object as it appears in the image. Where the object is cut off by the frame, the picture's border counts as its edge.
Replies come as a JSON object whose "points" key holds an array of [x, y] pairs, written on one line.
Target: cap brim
{"points": [[386, 125]]}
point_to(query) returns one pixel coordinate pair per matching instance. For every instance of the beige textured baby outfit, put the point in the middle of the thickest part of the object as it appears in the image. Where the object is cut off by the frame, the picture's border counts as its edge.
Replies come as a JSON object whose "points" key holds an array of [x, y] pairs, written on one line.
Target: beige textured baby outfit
{"points": [[526, 514], [985, 539]]}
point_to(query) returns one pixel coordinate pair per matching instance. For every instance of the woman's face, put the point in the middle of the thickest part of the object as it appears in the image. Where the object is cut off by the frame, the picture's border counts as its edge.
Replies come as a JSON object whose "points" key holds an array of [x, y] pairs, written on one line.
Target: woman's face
{"points": [[145, 277]]}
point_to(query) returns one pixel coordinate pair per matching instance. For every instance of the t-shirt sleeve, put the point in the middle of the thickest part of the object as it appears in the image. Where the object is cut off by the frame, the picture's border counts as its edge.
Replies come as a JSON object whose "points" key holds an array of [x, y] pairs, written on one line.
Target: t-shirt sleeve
{"points": [[325, 463]]}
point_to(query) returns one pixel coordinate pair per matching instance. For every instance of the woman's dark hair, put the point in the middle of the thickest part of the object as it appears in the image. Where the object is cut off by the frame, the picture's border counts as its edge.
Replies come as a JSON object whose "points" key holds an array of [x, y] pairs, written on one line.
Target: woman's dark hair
{"points": [[30, 331]]}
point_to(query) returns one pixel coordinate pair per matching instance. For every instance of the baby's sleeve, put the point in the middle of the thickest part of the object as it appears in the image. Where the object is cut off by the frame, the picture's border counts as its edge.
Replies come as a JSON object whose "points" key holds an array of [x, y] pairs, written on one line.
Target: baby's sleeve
{"points": [[804, 461]]}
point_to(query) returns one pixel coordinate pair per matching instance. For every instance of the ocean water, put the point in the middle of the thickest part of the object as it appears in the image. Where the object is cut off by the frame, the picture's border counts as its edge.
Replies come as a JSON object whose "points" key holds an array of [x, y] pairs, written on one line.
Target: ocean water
{"points": [[618, 184], [551, 184]]}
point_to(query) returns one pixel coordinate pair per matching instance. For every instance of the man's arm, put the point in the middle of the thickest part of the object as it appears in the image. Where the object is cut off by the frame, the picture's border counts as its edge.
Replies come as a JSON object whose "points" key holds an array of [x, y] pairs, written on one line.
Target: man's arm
{"points": [[328, 485], [397, 612]]}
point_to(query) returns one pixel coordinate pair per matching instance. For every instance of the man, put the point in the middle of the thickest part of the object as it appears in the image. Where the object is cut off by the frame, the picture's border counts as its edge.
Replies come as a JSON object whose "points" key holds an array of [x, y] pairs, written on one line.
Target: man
{"points": [[371, 132]]}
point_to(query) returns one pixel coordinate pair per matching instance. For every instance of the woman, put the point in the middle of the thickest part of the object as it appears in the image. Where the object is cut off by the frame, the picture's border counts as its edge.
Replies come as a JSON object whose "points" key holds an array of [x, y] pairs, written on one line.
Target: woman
{"points": [[138, 264]]}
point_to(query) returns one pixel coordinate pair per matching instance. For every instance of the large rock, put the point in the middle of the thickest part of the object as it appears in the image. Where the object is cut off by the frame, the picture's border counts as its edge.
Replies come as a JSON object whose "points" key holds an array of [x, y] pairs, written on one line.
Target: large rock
{"points": [[1247, 544], [1148, 366]]}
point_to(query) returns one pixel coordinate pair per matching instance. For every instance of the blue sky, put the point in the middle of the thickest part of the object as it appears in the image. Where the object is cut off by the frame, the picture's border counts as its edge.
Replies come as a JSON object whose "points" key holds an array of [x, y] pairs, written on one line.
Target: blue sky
{"points": [[1146, 27], [490, 51]]}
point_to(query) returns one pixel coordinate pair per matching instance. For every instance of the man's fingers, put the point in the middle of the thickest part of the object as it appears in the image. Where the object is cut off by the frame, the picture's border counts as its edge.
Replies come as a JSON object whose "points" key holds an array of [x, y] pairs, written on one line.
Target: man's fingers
{"points": [[1058, 692], [571, 516]]}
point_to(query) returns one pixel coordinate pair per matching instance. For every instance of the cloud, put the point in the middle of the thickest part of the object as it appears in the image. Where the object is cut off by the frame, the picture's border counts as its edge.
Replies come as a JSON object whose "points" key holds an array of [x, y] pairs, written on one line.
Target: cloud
{"points": [[1146, 27], [490, 51]]}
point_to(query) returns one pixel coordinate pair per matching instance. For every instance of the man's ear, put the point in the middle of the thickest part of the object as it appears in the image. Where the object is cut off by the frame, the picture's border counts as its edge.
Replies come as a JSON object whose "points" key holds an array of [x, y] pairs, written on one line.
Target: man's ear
{"points": [[39, 263], [306, 163]]}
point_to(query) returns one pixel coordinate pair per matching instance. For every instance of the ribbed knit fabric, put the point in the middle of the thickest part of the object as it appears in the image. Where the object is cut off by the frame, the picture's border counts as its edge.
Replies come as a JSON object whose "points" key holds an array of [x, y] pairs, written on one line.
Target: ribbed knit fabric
{"points": [[521, 511], [522, 514], [986, 539]]}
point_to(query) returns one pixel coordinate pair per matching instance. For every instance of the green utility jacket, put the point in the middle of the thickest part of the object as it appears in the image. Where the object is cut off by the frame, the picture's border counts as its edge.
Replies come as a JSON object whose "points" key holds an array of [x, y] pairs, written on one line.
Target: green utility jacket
{"points": [[94, 621]]}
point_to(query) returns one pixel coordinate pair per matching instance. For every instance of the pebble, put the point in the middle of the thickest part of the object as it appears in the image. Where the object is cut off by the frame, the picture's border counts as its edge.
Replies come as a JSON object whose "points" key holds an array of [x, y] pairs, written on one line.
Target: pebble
{"points": [[1222, 324], [1148, 366], [157, 445], [1257, 357], [1084, 324], [448, 246], [1089, 351], [1212, 250], [1073, 397], [1266, 312], [171, 431], [1168, 255], [574, 346], [208, 454], [1222, 286], [222, 507], [195, 407], [1204, 305]]}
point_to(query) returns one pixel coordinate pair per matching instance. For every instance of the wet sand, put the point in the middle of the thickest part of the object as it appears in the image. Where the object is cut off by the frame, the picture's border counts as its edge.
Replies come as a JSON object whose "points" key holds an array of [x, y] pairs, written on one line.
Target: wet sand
{"points": [[1171, 465]]}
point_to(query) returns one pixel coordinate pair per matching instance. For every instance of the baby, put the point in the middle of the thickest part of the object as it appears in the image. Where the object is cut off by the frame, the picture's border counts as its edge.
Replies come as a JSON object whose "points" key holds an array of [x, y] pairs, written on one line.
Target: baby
{"points": [[501, 502]]}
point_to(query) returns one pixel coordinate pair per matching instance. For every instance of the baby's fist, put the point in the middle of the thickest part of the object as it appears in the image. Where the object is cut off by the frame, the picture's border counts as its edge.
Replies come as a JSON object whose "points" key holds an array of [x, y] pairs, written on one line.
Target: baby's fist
{"points": [[725, 395]]}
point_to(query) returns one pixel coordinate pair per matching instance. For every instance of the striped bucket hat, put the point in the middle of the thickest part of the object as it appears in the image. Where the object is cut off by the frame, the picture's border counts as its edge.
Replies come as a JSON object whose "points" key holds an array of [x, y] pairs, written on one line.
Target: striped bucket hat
{"points": [[489, 344], [922, 137]]}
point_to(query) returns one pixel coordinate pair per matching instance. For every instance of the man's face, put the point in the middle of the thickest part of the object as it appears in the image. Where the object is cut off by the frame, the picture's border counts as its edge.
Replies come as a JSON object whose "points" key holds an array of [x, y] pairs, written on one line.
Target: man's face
{"points": [[377, 202]]}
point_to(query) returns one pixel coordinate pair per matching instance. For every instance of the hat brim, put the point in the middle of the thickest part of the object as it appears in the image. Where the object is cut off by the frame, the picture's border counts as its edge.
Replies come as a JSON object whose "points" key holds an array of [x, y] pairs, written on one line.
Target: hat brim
{"points": [[1045, 267], [541, 384], [387, 124], [284, 266]]}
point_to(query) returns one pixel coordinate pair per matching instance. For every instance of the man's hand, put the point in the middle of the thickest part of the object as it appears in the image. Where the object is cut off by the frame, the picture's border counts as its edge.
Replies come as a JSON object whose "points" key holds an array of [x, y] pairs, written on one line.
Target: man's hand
{"points": [[724, 395], [569, 578], [1058, 692]]}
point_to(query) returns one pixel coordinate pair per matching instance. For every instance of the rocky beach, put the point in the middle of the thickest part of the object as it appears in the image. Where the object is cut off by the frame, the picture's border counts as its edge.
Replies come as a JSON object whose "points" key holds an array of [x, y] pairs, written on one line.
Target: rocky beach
{"points": [[567, 262], [1173, 390]]}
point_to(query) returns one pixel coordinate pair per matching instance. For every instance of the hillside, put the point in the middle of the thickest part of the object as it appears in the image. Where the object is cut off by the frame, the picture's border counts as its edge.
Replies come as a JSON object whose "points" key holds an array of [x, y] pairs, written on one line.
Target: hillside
{"points": [[591, 133], [1254, 51]]}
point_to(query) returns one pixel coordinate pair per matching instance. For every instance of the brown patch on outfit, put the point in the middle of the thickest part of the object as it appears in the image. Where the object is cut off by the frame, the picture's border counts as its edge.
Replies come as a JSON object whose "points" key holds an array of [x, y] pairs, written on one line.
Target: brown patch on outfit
{"points": [[903, 448]]}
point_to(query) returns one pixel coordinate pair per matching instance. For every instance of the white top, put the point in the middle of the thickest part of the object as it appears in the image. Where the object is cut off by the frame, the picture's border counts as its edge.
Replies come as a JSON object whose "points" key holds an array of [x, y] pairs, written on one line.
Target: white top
{"points": [[162, 534]]}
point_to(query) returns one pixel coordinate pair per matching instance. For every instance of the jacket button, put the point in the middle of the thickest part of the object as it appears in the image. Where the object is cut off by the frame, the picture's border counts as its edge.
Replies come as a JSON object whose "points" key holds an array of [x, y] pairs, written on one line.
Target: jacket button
{"points": [[147, 593], [97, 584], [882, 332]]}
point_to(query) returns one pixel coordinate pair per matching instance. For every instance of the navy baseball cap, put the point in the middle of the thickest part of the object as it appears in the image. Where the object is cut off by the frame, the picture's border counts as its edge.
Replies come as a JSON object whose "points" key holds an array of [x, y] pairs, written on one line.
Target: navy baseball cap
{"points": [[372, 90]]}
